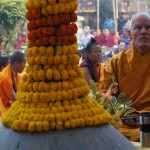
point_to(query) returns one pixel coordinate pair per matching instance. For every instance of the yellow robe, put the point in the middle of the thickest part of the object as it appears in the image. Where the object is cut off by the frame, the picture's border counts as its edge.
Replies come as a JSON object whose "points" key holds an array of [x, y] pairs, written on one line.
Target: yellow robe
{"points": [[6, 85], [132, 72]]}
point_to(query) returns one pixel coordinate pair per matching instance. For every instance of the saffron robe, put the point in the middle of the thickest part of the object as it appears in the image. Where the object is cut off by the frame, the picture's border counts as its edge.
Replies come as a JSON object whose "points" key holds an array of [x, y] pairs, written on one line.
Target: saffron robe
{"points": [[132, 72], [6, 85]]}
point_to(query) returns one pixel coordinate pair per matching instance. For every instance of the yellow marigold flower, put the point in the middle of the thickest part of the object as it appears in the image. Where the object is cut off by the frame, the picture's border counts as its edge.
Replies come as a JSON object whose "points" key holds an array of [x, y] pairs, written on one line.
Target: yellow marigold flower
{"points": [[72, 74], [30, 87], [47, 117], [46, 67], [59, 86], [24, 125], [65, 85], [17, 125], [32, 60], [50, 51], [82, 122], [56, 9], [41, 75], [35, 51], [67, 8], [45, 11], [58, 117], [67, 108], [61, 67], [63, 59], [73, 123], [76, 58], [46, 126], [25, 86], [49, 74], [29, 97], [56, 75], [39, 126], [62, 1], [60, 109], [52, 117], [61, 8], [58, 50], [75, 48], [43, 97], [36, 68], [73, 6], [59, 125], [69, 94], [38, 60], [69, 115], [43, 60], [64, 94], [65, 102], [64, 75], [56, 59], [53, 96], [42, 86], [54, 110], [53, 125], [29, 76], [64, 116], [28, 69], [58, 96], [50, 60], [74, 93], [79, 108], [57, 104], [32, 126], [76, 83], [43, 3], [65, 50], [70, 49], [29, 52], [79, 91], [35, 86], [68, 67], [36, 97], [42, 51], [52, 2], [74, 114], [67, 124], [80, 114], [53, 86]]}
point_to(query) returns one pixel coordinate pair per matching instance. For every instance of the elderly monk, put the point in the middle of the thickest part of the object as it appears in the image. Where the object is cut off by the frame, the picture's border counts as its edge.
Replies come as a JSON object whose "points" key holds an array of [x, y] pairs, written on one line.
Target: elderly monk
{"points": [[10, 78], [132, 67]]}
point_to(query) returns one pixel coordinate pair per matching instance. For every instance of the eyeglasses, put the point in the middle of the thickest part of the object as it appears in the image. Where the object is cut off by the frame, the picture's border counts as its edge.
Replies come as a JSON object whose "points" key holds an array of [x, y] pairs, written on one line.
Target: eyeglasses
{"points": [[139, 28]]}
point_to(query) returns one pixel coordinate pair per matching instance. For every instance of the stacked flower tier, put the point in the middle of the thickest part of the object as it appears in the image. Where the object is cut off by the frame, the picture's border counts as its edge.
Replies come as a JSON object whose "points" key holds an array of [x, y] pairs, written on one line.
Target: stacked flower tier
{"points": [[53, 93]]}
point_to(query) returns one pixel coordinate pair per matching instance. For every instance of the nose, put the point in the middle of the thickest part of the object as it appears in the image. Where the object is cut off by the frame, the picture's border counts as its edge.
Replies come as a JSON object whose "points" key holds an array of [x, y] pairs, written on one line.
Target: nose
{"points": [[143, 29]]}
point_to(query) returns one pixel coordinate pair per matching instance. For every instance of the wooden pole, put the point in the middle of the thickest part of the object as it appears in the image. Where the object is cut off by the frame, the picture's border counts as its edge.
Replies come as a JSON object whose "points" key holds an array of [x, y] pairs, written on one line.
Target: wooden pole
{"points": [[98, 11]]}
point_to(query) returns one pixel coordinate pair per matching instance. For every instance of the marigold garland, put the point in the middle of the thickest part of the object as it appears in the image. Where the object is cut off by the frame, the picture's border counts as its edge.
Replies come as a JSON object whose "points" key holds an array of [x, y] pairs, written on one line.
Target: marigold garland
{"points": [[53, 93]]}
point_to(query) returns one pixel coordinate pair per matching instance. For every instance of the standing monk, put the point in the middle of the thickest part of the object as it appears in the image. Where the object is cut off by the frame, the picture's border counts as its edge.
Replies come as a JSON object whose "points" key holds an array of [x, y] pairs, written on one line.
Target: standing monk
{"points": [[10, 78]]}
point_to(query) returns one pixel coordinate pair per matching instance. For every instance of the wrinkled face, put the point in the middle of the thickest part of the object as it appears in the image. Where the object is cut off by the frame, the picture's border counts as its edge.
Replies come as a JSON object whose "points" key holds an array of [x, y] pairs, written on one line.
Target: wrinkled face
{"points": [[121, 46], [140, 33], [95, 55], [106, 32], [20, 66]]}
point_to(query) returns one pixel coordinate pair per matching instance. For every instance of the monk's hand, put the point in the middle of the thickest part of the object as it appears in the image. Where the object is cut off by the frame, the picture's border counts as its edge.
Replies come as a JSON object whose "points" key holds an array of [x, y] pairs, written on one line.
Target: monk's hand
{"points": [[133, 122]]}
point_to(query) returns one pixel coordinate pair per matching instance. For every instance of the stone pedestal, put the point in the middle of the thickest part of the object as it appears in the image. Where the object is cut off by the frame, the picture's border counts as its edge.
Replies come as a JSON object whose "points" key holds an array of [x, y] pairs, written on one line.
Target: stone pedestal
{"points": [[104, 137]]}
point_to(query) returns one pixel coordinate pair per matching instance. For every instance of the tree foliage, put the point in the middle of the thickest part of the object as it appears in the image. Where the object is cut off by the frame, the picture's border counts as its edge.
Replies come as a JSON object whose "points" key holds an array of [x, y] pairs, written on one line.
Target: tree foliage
{"points": [[11, 13]]}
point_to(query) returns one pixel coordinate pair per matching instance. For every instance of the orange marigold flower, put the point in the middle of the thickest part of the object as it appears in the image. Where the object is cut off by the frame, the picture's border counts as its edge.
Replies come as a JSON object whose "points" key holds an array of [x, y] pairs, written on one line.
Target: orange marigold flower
{"points": [[67, 8], [56, 75], [56, 9], [61, 8], [56, 59], [41, 75], [52, 40], [52, 2], [61, 67], [50, 20], [53, 86], [64, 75], [50, 51], [65, 49], [50, 60]]}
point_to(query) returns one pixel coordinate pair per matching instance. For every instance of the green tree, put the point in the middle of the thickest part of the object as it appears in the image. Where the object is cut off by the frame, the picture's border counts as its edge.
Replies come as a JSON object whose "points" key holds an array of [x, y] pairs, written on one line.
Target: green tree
{"points": [[11, 13]]}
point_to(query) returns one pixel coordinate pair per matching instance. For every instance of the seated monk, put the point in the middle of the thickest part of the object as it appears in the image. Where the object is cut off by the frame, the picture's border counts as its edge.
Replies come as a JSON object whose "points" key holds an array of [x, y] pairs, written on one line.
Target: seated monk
{"points": [[131, 68], [91, 64], [10, 78]]}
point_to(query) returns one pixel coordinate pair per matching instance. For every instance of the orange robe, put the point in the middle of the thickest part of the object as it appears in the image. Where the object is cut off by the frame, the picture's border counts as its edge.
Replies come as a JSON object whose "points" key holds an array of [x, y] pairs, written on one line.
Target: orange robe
{"points": [[132, 72], [6, 85]]}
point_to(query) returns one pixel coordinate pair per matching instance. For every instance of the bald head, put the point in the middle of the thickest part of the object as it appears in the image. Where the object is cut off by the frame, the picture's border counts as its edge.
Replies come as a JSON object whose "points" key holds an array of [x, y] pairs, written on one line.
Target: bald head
{"points": [[136, 15], [140, 32]]}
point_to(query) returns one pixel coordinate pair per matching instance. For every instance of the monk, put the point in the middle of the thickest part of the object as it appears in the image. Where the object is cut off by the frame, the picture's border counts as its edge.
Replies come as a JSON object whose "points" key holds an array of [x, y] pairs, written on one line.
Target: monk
{"points": [[10, 78], [131, 67], [91, 64]]}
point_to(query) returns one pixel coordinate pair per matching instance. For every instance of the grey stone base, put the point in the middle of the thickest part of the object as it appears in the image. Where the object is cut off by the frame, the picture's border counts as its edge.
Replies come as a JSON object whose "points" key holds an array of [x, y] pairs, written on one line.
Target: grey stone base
{"points": [[104, 137]]}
